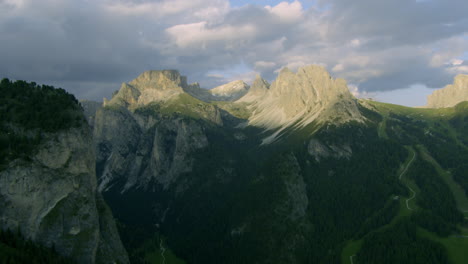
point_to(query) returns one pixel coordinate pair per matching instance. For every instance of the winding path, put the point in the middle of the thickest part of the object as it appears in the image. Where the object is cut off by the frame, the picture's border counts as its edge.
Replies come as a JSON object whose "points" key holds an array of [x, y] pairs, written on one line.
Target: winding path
{"points": [[411, 198], [407, 166], [351, 258], [401, 175], [163, 249]]}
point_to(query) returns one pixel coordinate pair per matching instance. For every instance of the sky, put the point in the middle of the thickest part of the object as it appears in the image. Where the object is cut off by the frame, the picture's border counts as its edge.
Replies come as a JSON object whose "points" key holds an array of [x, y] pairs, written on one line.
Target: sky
{"points": [[396, 51]]}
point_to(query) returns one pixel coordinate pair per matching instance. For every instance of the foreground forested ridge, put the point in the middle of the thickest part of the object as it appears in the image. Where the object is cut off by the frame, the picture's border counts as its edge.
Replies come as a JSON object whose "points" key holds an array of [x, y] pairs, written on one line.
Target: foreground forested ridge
{"points": [[48, 182], [28, 111]]}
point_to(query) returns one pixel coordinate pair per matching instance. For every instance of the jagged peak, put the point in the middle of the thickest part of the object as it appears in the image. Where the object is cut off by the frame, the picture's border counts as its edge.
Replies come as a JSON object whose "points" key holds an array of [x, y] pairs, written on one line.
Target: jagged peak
{"points": [[297, 99], [230, 91], [159, 79], [451, 94], [150, 86], [259, 84]]}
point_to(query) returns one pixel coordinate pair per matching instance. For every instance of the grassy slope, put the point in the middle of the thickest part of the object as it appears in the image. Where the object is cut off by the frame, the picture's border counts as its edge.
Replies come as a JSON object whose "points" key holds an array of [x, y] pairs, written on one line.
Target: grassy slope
{"points": [[435, 119], [457, 191], [456, 246]]}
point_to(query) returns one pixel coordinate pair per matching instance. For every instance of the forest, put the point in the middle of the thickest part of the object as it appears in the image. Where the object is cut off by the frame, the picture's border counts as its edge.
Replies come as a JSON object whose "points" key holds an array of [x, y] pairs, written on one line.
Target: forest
{"points": [[28, 111]]}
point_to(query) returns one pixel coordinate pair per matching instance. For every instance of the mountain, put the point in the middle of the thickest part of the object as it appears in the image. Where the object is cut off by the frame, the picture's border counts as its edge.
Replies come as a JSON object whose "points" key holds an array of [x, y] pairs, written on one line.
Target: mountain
{"points": [[451, 94], [298, 171], [298, 99], [48, 179]]}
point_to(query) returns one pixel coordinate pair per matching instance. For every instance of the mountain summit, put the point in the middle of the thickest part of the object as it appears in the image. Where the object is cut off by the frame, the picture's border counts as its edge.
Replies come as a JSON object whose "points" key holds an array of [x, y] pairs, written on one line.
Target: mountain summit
{"points": [[230, 91], [451, 94], [298, 99], [150, 86]]}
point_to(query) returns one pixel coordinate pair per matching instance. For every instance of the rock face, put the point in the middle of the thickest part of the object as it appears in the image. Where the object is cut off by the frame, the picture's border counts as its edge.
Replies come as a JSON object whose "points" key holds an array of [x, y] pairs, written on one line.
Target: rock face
{"points": [[451, 94], [230, 91], [298, 99], [145, 150], [143, 135], [319, 150], [52, 199]]}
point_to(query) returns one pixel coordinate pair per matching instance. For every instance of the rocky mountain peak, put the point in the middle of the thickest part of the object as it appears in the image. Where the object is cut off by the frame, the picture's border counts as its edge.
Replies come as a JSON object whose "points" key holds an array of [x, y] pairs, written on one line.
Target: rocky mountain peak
{"points": [[162, 80], [258, 89], [300, 98], [230, 91], [259, 85], [451, 94], [150, 86]]}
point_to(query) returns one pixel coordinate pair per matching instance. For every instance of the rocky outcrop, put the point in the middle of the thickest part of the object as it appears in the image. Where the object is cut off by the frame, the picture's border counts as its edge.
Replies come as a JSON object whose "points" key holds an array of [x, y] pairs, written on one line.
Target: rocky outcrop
{"points": [[451, 94], [320, 150], [52, 200]]}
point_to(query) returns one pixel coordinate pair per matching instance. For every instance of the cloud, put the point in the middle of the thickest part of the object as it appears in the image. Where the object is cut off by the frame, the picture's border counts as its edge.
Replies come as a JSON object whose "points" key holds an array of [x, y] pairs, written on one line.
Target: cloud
{"points": [[91, 47], [287, 12], [264, 65], [203, 9], [187, 35]]}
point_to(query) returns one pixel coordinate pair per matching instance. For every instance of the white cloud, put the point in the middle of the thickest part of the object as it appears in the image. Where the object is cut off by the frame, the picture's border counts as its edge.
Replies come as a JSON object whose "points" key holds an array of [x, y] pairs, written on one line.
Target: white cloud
{"points": [[456, 62], [202, 9], [264, 65], [354, 89], [288, 12], [338, 67], [186, 35]]}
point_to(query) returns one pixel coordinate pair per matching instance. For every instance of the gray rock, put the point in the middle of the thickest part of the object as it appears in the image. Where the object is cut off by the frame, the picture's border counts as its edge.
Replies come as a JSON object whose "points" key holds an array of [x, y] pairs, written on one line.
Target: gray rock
{"points": [[146, 149], [320, 150], [53, 200]]}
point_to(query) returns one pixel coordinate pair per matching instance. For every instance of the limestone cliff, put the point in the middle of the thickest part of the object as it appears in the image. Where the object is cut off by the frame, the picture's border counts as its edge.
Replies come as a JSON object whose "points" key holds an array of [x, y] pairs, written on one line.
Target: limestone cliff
{"points": [[51, 198], [451, 94]]}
